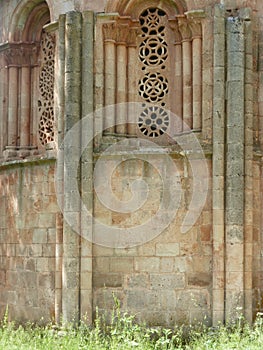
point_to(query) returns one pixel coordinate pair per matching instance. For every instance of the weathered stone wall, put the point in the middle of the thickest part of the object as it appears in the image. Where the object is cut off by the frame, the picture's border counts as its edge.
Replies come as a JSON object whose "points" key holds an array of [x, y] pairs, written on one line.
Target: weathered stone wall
{"points": [[47, 269], [168, 279], [29, 229]]}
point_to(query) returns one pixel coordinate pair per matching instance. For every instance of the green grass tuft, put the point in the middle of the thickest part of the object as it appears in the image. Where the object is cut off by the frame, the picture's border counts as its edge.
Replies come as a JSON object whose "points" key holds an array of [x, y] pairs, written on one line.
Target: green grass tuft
{"points": [[123, 333]]}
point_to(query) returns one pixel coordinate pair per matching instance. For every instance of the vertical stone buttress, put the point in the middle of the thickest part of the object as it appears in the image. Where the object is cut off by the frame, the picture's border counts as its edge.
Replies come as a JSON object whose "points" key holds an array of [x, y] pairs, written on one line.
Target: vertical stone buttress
{"points": [[87, 166], [71, 239], [234, 219], [232, 165], [248, 214], [59, 105], [74, 89], [219, 166]]}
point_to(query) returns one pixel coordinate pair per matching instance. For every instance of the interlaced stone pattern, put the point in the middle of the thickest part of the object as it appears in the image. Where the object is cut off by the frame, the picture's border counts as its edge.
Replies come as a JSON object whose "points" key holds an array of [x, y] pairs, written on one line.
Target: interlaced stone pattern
{"points": [[46, 89], [153, 86]]}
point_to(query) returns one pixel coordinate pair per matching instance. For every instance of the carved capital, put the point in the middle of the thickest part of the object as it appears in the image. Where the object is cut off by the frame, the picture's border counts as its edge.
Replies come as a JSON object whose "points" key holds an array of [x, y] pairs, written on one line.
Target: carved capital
{"points": [[122, 33], [184, 28], [132, 36], [175, 27], [21, 54], [196, 28], [109, 31]]}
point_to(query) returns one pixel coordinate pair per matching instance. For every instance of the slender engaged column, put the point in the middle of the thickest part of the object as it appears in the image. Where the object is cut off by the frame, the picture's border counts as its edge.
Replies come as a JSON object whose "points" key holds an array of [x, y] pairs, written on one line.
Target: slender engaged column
{"points": [[219, 167], [178, 87], [197, 74], [12, 107], [177, 91], [187, 73], [3, 104], [132, 87], [87, 166], [25, 107], [60, 108], [121, 96], [110, 74]]}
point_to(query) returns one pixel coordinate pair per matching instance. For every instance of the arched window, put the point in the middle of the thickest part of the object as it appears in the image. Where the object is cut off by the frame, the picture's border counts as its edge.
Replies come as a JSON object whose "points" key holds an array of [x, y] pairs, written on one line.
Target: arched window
{"points": [[28, 120], [153, 56]]}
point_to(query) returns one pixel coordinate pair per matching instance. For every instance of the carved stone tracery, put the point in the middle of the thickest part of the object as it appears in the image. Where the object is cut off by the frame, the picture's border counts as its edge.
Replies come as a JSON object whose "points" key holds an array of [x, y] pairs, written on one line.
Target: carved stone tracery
{"points": [[46, 89], [154, 58], [154, 85]]}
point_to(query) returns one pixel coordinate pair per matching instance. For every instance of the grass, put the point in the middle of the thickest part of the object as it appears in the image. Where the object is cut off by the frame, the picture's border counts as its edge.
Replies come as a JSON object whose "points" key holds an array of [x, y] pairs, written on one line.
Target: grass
{"points": [[123, 334]]}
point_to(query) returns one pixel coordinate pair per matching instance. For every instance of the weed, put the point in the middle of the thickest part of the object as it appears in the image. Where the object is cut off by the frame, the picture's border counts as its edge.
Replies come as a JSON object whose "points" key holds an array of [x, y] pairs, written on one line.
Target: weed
{"points": [[123, 333]]}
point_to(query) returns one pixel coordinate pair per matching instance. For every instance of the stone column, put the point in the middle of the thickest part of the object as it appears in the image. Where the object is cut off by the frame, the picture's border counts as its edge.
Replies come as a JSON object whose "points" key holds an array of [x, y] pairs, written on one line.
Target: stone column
{"points": [[197, 74], [34, 128], [245, 14], [71, 239], [25, 110], [59, 113], [3, 103], [219, 167], [121, 88], [177, 91], [58, 273], [87, 166], [132, 83], [235, 154], [187, 71], [12, 108], [59, 83], [110, 73]]}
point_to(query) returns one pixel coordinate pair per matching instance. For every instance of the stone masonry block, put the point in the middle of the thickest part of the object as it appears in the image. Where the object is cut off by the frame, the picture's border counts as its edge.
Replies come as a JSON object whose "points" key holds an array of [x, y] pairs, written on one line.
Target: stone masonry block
{"points": [[40, 235], [167, 281], [167, 249], [200, 279], [110, 280], [147, 264], [122, 265], [166, 264], [137, 281]]}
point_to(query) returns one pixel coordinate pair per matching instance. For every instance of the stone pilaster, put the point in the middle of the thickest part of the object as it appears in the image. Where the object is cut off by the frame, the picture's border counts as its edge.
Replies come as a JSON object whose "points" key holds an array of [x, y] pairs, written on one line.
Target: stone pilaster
{"points": [[219, 165], [245, 14], [71, 239], [87, 166], [59, 113], [235, 171]]}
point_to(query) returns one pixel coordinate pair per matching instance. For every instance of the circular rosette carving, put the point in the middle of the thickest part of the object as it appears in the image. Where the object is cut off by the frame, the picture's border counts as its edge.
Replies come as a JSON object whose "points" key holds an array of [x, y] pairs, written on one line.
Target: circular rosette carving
{"points": [[153, 121], [153, 87], [150, 18], [153, 51]]}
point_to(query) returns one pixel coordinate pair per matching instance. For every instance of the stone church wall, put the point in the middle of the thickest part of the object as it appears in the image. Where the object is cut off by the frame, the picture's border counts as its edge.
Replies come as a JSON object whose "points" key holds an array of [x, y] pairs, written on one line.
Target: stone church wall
{"points": [[29, 233], [96, 198]]}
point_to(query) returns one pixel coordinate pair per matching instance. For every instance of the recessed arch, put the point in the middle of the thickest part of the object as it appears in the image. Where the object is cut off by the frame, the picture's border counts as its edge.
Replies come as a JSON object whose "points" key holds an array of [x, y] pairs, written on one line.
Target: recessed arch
{"points": [[28, 20], [133, 8]]}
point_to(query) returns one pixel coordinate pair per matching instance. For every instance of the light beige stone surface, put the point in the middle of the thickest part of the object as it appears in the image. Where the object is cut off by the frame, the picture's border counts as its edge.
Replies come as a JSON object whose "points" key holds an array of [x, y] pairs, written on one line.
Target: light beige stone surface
{"points": [[98, 54]]}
